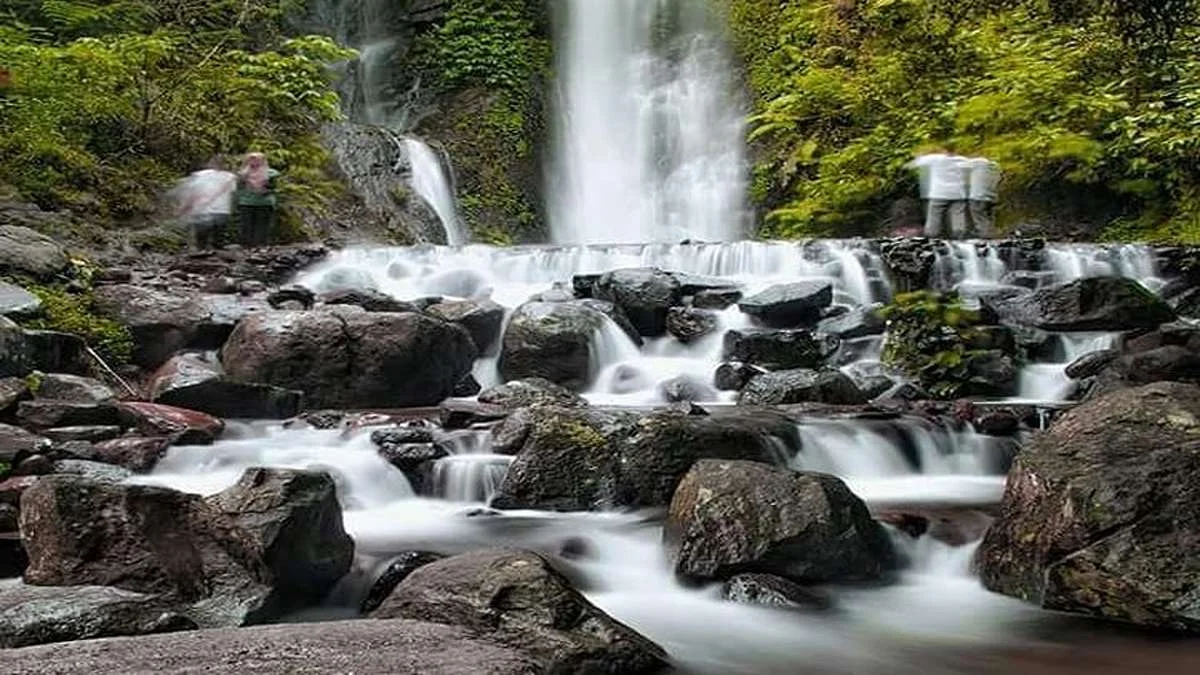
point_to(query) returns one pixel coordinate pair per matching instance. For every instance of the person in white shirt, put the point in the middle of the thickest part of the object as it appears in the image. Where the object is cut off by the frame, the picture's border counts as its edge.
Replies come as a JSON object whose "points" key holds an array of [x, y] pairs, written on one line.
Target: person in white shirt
{"points": [[982, 191], [206, 204], [944, 186]]}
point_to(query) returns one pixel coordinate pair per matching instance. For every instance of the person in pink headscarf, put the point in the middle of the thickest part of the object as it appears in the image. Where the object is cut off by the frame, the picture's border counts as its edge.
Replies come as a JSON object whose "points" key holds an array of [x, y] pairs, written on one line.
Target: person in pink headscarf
{"points": [[256, 199]]}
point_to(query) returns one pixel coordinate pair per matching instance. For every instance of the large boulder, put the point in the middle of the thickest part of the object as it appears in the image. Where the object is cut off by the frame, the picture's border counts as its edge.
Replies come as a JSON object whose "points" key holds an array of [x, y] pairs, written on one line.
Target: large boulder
{"points": [[25, 252], [525, 393], [191, 381], [802, 386], [1093, 304], [774, 349], [272, 543], [731, 517], [64, 387], [49, 413], [342, 358], [183, 426], [644, 294], [1170, 363], [1101, 515], [573, 459], [483, 319], [33, 615], [163, 323], [789, 305], [688, 324], [517, 599], [551, 341]]}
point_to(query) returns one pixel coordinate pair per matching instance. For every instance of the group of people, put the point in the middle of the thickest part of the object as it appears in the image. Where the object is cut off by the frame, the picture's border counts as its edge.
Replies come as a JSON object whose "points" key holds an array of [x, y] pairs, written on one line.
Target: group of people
{"points": [[959, 193], [206, 201]]}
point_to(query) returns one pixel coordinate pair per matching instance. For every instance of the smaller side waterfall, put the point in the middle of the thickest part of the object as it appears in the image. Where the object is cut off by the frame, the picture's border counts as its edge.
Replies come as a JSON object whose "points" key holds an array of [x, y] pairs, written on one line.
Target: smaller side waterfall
{"points": [[431, 182], [472, 473]]}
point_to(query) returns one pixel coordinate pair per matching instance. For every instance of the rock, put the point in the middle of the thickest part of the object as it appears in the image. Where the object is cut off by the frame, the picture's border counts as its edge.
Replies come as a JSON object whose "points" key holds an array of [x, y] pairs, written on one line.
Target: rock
{"points": [[186, 427], [644, 295], [716, 298], [789, 305], [524, 393], [18, 303], [13, 487], [688, 324], [401, 436], [93, 471], [1170, 363], [953, 527], [802, 386], [993, 374], [33, 465], [998, 423], [550, 341], [47, 414], [467, 387], [465, 414], [1101, 515], [731, 517], [136, 454], [13, 390], [910, 261], [8, 522], [369, 299], [558, 292], [774, 349], [412, 458], [25, 252], [62, 387], [351, 359], [53, 352], [629, 462], [1091, 364], [397, 570], [515, 598], [583, 285], [691, 284], [773, 591], [359, 647], [993, 338], [86, 433], [482, 319], [34, 615], [615, 313], [16, 442], [190, 381], [686, 389], [857, 323], [1092, 304], [292, 294], [734, 376]]}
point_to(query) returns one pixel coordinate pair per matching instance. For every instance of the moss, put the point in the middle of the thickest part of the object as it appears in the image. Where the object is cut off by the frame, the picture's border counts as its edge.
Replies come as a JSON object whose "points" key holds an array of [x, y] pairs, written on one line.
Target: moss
{"points": [[72, 312], [33, 382], [570, 433]]}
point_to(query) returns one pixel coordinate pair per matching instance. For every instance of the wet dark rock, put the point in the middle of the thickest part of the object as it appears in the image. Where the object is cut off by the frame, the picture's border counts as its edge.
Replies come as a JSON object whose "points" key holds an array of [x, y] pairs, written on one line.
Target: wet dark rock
{"points": [[686, 389], [731, 517], [645, 295], [397, 570], [18, 303], [508, 437], [293, 293], [716, 298], [465, 414], [34, 615], [46, 414], [615, 313], [25, 252], [402, 435], [802, 386], [50, 351], [993, 374], [905, 391], [998, 423], [691, 284], [85, 433], [789, 305], [515, 598], [1164, 364], [910, 261], [33, 465], [772, 591], [584, 285], [531, 391], [8, 521], [137, 454], [551, 341], [1092, 304], [1101, 515], [345, 358], [185, 427], [220, 285], [92, 471], [628, 461], [467, 387], [952, 527], [63, 387], [13, 487], [482, 319], [734, 376], [368, 299], [13, 390], [16, 442], [856, 323], [993, 338], [192, 381], [1091, 364], [688, 324], [774, 349], [412, 458]]}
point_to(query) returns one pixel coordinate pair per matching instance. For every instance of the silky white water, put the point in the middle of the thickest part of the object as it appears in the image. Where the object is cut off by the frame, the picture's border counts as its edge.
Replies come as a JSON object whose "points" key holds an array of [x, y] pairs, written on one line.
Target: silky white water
{"points": [[649, 126], [624, 569], [431, 182]]}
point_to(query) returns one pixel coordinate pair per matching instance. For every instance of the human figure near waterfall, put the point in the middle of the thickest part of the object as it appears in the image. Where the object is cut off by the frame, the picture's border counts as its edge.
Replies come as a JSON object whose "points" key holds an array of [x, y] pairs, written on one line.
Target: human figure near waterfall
{"points": [[944, 180], [206, 203], [256, 199], [982, 190]]}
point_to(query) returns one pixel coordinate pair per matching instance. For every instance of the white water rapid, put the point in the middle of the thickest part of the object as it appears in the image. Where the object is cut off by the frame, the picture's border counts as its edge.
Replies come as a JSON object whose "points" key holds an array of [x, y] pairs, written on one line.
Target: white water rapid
{"points": [[649, 127], [432, 183]]}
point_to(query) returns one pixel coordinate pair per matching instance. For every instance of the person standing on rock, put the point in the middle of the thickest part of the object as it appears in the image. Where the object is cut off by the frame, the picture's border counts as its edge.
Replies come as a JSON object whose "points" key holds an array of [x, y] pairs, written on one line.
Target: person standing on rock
{"points": [[983, 183], [207, 203], [944, 187], [256, 199]]}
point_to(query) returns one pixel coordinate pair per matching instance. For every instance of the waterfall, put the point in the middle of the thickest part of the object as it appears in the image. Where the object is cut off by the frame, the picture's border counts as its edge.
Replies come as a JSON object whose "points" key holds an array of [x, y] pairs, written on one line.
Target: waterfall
{"points": [[430, 181], [649, 142]]}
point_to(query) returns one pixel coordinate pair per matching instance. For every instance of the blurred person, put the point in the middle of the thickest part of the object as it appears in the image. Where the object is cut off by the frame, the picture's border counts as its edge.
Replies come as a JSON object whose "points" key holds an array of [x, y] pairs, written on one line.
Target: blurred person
{"points": [[943, 176], [982, 192], [256, 199], [206, 204]]}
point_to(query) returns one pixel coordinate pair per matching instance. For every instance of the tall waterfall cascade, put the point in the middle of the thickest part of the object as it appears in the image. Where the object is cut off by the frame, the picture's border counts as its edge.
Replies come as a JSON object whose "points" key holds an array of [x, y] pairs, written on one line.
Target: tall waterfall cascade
{"points": [[649, 127]]}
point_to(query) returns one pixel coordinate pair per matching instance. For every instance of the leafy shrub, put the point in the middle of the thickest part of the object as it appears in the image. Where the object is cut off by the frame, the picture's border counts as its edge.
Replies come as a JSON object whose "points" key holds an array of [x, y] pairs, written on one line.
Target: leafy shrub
{"points": [[930, 337]]}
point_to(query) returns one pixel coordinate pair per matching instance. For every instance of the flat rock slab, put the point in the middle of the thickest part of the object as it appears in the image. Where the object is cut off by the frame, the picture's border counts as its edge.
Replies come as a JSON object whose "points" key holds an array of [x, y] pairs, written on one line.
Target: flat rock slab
{"points": [[366, 647], [16, 302]]}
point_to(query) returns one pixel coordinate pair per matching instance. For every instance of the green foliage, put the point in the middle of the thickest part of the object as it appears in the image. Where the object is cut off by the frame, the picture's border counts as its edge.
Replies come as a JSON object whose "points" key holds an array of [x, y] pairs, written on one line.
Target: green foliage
{"points": [[110, 102], [486, 42], [931, 338], [72, 312], [1095, 94]]}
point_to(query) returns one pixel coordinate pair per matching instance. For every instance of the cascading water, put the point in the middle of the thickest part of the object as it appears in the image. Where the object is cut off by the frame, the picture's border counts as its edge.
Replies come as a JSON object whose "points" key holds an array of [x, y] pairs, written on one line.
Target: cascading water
{"points": [[431, 182], [650, 134]]}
